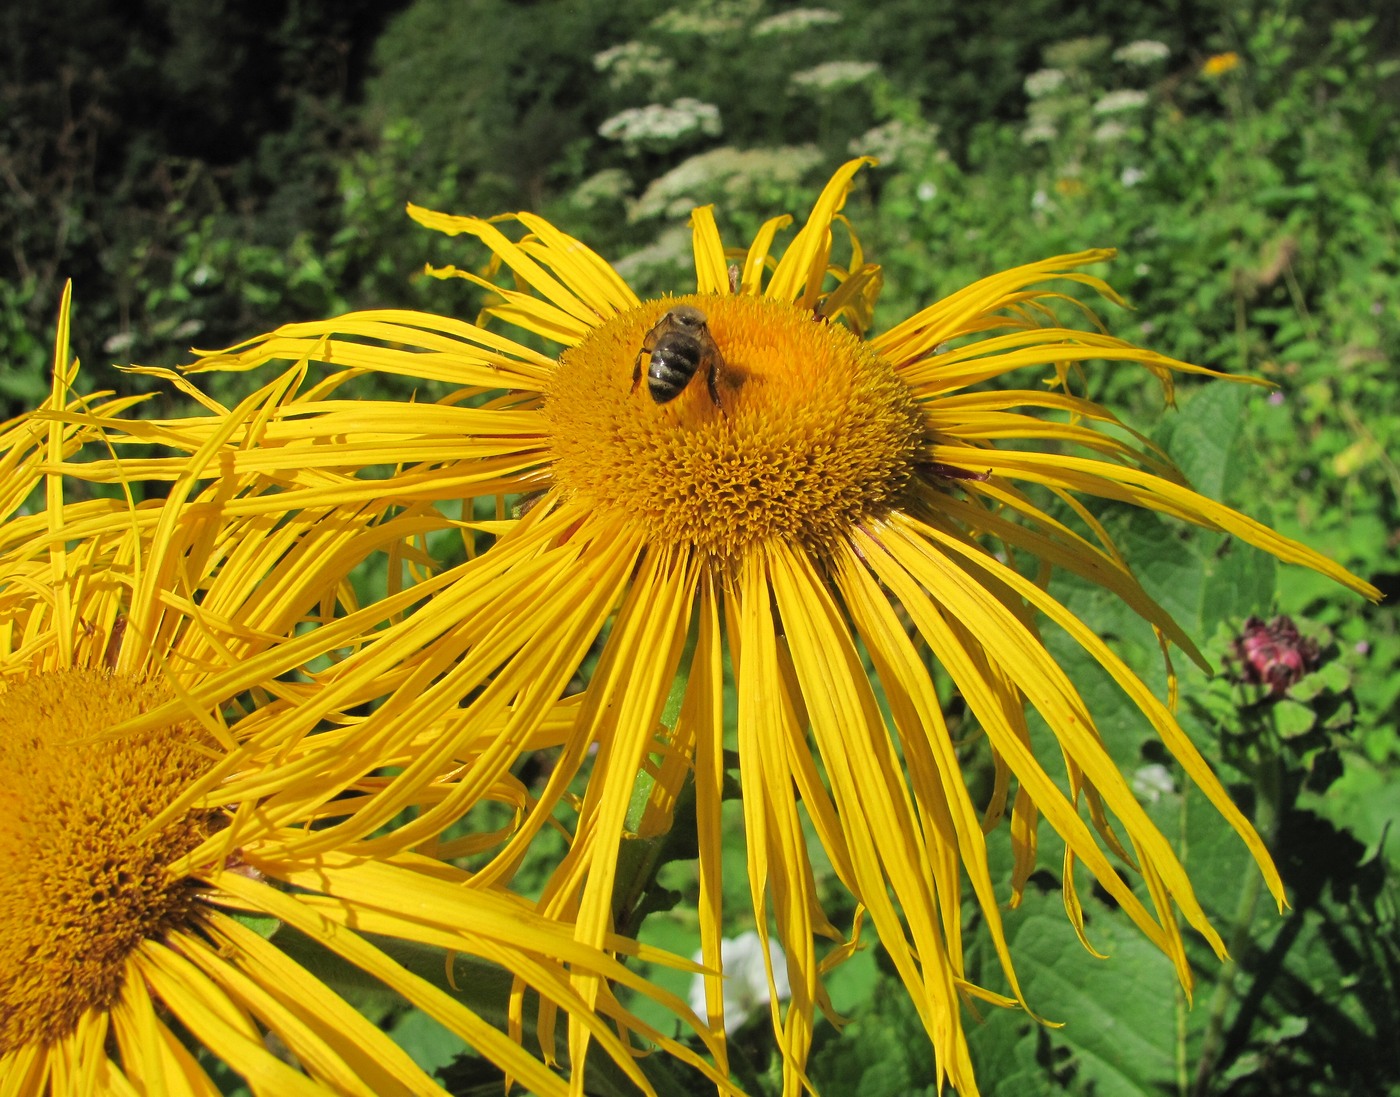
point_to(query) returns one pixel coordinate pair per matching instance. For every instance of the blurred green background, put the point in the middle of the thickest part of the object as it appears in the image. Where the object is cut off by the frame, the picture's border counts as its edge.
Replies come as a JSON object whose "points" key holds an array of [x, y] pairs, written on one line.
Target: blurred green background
{"points": [[206, 171]]}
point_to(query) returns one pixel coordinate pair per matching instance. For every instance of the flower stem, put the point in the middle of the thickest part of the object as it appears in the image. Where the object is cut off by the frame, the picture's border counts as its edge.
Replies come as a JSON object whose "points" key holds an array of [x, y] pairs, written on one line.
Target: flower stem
{"points": [[1268, 781]]}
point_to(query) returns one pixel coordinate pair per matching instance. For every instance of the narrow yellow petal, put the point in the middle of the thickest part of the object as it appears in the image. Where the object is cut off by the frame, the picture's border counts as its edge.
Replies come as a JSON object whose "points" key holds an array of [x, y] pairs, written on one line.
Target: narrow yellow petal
{"points": [[877, 816], [751, 279], [580, 267], [189, 995], [1176, 740], [151, 1055], [506, 1053], [711, 270], [920, 333], [319, 1027], [803, 266], [770, 814], [701, 721], [1142, 489], [529, 271]]}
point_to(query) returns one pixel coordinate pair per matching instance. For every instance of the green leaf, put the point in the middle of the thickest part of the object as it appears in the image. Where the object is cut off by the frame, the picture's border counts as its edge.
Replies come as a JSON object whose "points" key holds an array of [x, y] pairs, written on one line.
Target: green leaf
{"points": [[1293, 719], [1203, 437]]}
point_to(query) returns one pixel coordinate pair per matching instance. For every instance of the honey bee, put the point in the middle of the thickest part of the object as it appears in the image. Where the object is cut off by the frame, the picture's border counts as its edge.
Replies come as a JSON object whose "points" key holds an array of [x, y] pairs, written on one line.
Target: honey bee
{"points": [[680, 345]]}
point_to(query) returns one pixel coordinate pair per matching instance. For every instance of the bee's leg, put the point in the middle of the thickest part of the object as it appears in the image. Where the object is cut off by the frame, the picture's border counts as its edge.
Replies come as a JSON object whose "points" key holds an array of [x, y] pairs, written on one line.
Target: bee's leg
{"points": [[712, 383], [637, 371]]}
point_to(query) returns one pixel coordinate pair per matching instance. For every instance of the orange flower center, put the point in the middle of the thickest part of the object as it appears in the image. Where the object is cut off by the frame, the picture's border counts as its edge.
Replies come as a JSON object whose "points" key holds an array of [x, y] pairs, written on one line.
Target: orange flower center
{"points": [[80, 886], [812, 433]]}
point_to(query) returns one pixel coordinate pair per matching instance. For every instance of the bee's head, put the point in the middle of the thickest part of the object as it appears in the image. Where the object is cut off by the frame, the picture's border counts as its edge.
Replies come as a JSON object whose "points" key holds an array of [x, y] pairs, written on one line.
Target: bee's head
{"points": [[688, 316]]}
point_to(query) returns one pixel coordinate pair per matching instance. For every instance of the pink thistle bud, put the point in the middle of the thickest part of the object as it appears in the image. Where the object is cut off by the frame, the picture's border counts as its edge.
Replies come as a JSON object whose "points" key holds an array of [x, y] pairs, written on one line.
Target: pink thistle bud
{"points": [[1274, 655]]}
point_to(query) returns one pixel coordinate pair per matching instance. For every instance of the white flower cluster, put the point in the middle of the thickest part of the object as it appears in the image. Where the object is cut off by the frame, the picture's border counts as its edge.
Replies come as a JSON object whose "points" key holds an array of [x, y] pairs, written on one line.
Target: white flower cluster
{"points": [[1077, 53], [1039, 132], [834, 75], [707, 17], [729, 176], [1044, 82], [659, 261], [795, 21], [1145, 51], [898, 142], [634, 62], [659, 125], [602, 188], [1125, 99], [1106, 133]]}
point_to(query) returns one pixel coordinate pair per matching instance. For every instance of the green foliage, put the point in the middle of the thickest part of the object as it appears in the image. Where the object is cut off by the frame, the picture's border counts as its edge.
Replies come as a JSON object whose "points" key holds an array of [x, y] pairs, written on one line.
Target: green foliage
{"points": [[170, 158]]}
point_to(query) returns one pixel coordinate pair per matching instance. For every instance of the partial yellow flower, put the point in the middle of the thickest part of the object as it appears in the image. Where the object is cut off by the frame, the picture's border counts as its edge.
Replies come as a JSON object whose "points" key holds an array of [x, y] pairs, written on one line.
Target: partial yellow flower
{"points": [[812, 499], [1220, 63], [142, 647]]}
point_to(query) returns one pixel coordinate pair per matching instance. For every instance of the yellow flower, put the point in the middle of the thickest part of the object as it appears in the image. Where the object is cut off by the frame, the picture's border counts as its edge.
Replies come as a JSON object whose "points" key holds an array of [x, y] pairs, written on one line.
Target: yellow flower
{"points": [[141, 648], [1220, 63], [816, 512]]}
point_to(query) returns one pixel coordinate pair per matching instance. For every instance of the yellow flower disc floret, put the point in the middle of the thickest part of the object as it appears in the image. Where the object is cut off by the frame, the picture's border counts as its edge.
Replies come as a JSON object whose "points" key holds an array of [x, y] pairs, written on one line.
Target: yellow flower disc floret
{"points": [[81, 886], [813, 433]]}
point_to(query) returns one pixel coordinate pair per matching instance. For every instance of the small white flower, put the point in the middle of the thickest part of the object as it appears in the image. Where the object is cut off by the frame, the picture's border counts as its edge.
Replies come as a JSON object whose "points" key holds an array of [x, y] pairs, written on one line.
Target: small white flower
{"points": [[662, 124], [630, 62], [795, 21], [602, 188], [727, 176], [119, 343], [1040, 200], [833, 75], [662, 259], [1131, 177], [1145, 51], [927, 191], [1044, 82], [1121, 100], [745, 979], [1038, 133], [702, 18], [1152, 782], [897, 142], [1105, 133]]}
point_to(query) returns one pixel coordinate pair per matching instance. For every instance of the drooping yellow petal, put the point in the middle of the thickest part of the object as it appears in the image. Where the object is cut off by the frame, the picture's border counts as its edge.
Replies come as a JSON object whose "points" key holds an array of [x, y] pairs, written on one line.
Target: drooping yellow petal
{"points": [[532, 273], [211, 1020], [877, 817], [1142, 489], [766, 726], [800, 271]]}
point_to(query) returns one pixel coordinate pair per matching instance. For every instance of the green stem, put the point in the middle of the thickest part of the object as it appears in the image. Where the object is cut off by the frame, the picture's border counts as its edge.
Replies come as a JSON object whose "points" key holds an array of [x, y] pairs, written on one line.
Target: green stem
{"points": [[1267, 813]]}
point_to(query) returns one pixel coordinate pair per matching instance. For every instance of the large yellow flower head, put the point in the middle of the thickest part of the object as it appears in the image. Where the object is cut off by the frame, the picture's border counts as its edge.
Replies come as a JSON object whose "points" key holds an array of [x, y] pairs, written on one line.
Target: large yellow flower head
{"points": [[739, 480], [142, 648]]}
